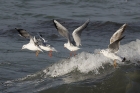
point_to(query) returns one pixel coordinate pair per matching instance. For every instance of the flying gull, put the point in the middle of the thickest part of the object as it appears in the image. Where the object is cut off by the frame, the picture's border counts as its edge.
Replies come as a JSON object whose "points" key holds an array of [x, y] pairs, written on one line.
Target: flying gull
{"points": [[71, 45], [45, 46], [32, 45], [113, 47]]}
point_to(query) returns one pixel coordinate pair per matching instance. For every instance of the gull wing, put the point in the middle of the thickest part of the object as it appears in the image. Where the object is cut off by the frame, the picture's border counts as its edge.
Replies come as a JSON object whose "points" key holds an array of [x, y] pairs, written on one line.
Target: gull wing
{"points": [[41, 40], [118, 34], [23, 33], [114, 47], [62, 30], [41, 37], [33, 40], [77, 33]]}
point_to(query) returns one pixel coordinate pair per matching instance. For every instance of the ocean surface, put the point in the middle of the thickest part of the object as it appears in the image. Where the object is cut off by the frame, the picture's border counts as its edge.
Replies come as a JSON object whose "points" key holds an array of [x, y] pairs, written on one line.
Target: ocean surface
{"points": [[87, 72]]}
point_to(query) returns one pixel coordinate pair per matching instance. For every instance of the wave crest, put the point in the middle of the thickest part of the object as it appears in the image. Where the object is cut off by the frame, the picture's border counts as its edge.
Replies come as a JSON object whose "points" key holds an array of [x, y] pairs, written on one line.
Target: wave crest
{"points": [[87, 62]]}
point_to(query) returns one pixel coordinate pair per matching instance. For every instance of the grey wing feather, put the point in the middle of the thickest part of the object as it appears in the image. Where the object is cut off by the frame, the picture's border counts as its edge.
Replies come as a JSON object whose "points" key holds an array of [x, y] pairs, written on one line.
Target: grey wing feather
{"points": [[33, 40], [77, 33], [62, 30], [114, 47], [118, 34], [23, 33], [41, 40]]}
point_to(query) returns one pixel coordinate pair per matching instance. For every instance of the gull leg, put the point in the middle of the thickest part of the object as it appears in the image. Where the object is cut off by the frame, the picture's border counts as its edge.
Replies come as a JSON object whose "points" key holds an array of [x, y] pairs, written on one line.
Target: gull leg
{"points": [[50, 53], [74, 53], [37, 52], [115, 64], [70, 53]]}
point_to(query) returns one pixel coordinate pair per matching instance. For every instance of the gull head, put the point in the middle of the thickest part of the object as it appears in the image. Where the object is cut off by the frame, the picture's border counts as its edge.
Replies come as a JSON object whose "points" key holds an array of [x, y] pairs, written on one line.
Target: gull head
{"points": [[102, 51], [71, 47], [65, 45], [24, 47]]}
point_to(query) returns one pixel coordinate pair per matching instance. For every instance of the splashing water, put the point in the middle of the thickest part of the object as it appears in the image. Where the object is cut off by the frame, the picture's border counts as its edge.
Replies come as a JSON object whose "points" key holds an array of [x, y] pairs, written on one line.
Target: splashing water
{"points": [[86, 62]]}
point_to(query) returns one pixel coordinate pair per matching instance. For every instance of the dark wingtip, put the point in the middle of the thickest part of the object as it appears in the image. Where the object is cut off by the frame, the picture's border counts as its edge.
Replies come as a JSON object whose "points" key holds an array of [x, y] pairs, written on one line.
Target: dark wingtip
{"points": [[41, 35], [55, 24], [124, 25], [123, 37], [123, 59], [53, 21], [86, 23], [18, 29]]}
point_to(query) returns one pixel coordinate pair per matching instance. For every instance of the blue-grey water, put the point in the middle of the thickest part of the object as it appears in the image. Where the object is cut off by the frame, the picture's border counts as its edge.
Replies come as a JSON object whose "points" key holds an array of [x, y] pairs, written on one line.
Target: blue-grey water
{"points": [[87, 72]]}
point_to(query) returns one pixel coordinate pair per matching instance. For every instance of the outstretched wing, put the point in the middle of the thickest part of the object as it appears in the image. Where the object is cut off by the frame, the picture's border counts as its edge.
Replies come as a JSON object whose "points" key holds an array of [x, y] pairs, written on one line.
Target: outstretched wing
{"points": [[62, 30], [23, 33], [118, 34], [114, 47], [77, 33], [41, 37], [41, 40], [32, 40]]}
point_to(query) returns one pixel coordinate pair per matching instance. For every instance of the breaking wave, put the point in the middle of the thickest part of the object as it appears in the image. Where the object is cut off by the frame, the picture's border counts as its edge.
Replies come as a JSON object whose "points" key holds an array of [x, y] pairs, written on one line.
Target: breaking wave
{"points": [[87, 62], [83, 63]]}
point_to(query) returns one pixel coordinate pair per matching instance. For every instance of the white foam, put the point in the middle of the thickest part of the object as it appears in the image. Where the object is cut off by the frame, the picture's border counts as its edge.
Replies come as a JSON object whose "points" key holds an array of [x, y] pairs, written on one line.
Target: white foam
{"points": [[86, 62], [131, 51]]}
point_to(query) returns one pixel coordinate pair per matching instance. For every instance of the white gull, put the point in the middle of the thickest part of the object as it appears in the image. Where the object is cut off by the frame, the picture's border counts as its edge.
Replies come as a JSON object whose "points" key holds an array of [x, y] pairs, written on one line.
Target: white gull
{"points": [[113, 47], [32, 45], [71, 45], [45, 46]]}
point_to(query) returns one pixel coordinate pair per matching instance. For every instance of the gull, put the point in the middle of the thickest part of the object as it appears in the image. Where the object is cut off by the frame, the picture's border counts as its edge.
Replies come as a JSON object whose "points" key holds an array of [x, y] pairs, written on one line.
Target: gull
{"points": [[32, 45], [45, 46], [113, 47], [71, 45]]}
